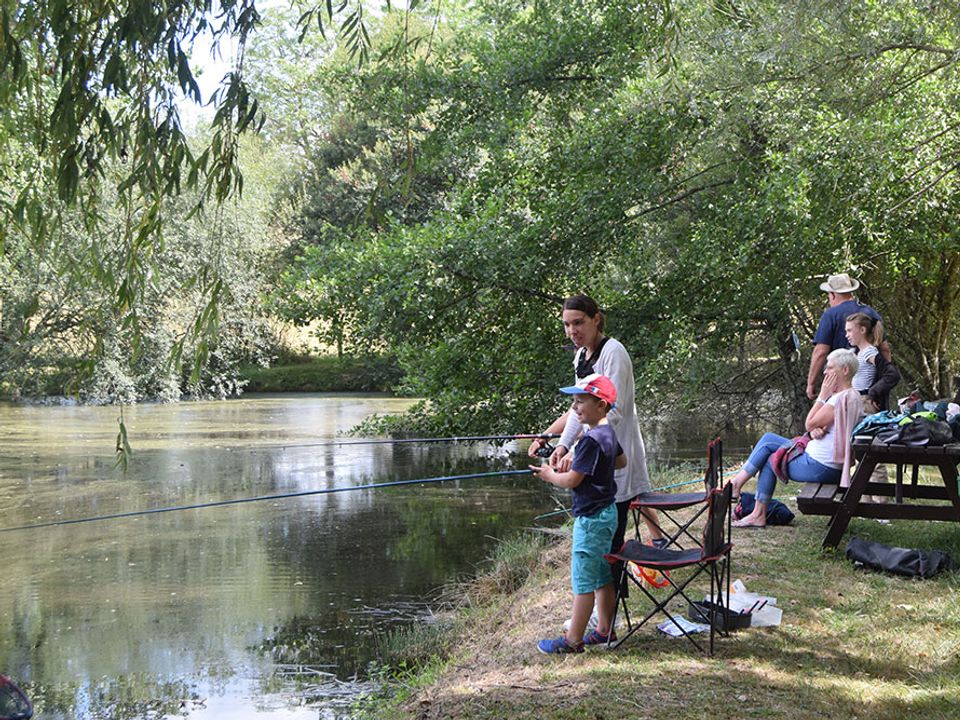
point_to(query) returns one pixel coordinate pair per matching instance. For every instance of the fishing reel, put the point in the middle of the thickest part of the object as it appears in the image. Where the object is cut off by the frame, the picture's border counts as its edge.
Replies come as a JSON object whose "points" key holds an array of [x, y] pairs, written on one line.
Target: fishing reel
{"points": [[546, 449]]}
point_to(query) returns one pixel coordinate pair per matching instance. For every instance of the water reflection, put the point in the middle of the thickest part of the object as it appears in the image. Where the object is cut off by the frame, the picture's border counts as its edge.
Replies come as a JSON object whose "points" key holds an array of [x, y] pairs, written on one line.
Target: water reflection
{"points": [[203, 613], [672, 441]]}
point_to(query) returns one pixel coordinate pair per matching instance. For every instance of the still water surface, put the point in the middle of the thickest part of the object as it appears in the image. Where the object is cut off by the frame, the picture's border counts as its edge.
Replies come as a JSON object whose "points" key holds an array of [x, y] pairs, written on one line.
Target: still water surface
{"points": [[267, 610], [212, 613]]}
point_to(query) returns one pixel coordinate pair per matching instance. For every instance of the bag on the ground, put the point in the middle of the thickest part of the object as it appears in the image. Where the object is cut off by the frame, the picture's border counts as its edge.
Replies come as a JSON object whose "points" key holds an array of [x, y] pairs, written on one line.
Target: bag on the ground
{"points": [[777, 512], [899, 561]]}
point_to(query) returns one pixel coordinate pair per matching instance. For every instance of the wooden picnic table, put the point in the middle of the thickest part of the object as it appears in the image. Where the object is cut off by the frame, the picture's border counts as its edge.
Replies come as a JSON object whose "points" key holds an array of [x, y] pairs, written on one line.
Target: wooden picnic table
{"points": [[843, 504]]}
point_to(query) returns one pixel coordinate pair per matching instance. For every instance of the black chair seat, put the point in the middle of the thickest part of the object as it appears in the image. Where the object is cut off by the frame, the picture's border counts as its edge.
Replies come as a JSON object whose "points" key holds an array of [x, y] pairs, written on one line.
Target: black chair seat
{"points": [[668, 501], [665, 503], [654, 557]]}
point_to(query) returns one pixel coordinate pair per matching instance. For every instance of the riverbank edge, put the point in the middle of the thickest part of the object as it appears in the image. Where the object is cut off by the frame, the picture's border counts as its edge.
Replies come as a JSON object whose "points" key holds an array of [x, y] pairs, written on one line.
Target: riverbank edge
{"points": [[852, 644], [415, 659], [325, 373], [297, 374]]}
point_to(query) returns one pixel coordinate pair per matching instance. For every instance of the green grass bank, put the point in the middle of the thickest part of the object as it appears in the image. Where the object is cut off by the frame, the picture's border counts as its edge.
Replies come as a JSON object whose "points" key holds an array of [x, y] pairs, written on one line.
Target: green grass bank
{"points": [[324, 373], [289, 373], [852, 644]]}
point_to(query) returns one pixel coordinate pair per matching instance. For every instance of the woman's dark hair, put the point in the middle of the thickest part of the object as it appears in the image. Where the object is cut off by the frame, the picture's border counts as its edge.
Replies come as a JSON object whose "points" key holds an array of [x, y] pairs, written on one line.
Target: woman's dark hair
{"points": [[587, 305]]}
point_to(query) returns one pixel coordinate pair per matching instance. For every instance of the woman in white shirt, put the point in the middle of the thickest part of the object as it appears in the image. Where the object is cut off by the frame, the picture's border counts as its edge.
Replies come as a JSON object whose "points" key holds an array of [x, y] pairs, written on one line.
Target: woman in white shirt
{"points": [[583, 323], [826, 458]]}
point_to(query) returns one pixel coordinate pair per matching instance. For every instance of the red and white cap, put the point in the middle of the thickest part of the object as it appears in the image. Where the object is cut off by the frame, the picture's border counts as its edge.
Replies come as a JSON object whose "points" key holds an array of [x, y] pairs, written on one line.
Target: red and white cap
{"points": [[600, 386]]}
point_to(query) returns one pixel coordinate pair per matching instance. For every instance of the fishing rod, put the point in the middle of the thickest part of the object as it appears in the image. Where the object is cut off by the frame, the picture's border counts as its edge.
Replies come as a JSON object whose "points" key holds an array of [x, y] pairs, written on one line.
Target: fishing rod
{"points": [[459, 438], [656, 489], [280, 496], [424, 440]]}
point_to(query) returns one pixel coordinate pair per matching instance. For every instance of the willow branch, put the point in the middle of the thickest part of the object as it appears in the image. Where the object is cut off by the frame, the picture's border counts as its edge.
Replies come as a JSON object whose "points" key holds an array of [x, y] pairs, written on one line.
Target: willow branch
{"points": [[926, 187], [679, 198]]}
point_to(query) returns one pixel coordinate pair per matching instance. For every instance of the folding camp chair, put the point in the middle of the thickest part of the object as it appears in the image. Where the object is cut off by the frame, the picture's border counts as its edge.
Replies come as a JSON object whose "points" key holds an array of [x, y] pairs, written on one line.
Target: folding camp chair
{"points": [[666, 503], [712, 558]]}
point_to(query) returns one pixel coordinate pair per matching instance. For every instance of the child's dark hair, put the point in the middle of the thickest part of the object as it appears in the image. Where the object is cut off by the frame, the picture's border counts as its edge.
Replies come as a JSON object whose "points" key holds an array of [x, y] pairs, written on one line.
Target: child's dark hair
{"points": [[873, 326], [586, 305]]}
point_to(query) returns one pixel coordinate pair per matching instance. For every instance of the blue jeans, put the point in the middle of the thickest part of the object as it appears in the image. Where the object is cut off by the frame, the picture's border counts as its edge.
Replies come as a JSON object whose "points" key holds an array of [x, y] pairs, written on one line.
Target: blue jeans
{"points": [[802, 468]]}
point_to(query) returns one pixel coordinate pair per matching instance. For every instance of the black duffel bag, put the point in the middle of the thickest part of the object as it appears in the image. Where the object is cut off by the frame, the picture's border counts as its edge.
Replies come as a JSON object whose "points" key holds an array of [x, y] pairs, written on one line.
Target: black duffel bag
{"points": [[919, 431], [899, 561]]}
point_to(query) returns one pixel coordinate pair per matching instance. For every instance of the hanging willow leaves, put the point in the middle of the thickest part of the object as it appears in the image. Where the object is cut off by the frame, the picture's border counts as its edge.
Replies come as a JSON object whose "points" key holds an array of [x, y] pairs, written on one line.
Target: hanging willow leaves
{"points": [[89, 97]]}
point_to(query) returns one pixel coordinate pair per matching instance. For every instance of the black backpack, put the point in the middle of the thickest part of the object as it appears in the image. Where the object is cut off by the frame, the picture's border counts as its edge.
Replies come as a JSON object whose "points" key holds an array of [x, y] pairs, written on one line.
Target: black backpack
{"points": [[919, 431], [777, 512]]}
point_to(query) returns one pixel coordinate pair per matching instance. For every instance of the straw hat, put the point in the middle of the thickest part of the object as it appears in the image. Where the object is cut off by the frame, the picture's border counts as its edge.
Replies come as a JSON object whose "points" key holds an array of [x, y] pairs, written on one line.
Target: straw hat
{"points": [[840, 284]]}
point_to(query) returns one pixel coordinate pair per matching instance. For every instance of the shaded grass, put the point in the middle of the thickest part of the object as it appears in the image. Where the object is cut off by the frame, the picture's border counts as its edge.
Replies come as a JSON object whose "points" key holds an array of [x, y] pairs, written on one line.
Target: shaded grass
{"points": [[853, 643], [413, 648], [508, 569]]}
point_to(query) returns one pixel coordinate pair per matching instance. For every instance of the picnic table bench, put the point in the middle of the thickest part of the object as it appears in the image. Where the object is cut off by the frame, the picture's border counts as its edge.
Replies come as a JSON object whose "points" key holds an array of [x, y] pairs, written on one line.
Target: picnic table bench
{"points": [[842, 504]]}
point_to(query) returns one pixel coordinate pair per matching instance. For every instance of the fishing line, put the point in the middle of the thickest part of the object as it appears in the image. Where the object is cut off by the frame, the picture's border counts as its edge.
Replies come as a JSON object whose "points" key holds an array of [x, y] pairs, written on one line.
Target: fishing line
{"points": [[402, 441], [280, 496]]}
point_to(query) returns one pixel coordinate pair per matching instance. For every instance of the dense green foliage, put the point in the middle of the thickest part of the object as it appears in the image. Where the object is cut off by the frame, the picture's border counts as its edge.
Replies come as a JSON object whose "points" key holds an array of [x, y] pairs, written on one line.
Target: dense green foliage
{"points": [[93, 148], [432, 179], [698, 167], [132, 259], [201, 301]]}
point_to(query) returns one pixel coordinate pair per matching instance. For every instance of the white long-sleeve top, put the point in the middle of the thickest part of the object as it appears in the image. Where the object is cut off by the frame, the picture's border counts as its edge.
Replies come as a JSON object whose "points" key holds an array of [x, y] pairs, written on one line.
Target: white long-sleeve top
{"points": [[614, 362]]}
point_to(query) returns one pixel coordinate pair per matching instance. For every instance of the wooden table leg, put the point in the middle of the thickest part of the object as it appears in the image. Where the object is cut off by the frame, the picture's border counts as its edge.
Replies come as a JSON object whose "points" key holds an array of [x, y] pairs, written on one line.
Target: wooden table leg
{"points": [[851, 498], [948, 471]]}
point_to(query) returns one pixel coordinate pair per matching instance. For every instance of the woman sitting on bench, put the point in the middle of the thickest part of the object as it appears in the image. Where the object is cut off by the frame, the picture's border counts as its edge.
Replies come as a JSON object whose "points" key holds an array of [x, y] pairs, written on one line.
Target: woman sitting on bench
{"points": [[827, 457]]}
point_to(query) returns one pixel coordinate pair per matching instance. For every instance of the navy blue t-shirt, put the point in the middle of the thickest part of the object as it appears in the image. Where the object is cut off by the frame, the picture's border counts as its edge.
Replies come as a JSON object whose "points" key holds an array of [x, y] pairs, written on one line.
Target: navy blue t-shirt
{"points": [[832, 329], [595, 456]]}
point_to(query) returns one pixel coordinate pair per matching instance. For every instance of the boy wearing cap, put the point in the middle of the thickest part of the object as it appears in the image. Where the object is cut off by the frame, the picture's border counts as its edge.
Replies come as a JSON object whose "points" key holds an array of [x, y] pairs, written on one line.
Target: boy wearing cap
{"points": [[594, 490]]}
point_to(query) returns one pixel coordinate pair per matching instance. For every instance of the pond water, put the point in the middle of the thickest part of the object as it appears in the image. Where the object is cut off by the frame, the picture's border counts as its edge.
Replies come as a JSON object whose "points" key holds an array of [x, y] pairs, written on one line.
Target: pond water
{"points": [[259, 610]]}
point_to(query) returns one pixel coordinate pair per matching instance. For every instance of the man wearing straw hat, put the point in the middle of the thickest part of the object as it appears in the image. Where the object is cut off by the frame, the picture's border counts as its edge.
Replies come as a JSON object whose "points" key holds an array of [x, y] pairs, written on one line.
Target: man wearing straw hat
{"points": [[830, 333]]}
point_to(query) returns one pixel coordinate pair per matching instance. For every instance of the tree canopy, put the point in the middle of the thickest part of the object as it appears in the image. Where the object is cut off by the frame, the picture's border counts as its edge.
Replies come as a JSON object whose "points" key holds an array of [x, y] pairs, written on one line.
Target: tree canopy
{"points": [[94, 151], [445, 173], [697, 168]]}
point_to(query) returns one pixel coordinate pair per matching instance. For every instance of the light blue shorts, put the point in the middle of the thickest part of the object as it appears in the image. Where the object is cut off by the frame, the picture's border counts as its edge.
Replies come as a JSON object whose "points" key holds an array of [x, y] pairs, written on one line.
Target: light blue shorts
{"points": [[592, 537]]}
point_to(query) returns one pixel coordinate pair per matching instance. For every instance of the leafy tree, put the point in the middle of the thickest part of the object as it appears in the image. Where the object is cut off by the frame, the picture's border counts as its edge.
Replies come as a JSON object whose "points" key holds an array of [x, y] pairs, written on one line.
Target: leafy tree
{"points": [[824, 116], [203, 300], [436, 292], [92, 88], [698, 168], [90, 97]]}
